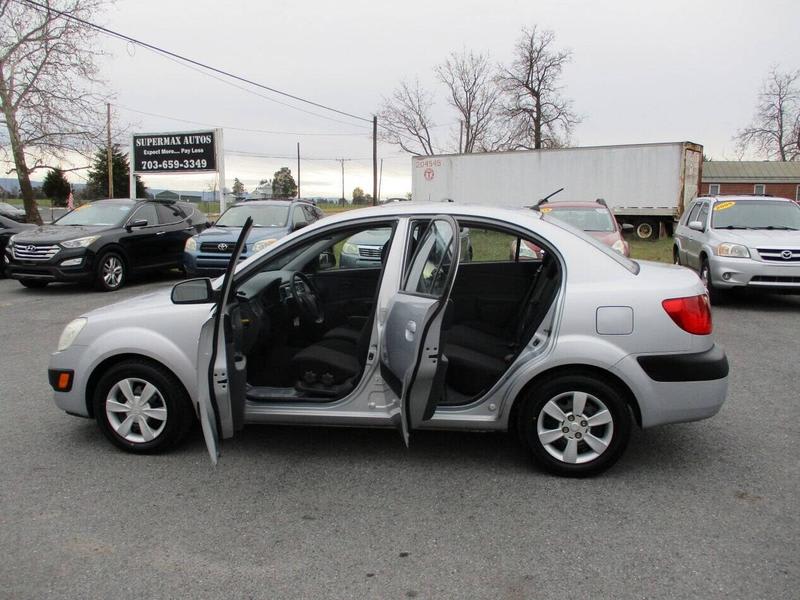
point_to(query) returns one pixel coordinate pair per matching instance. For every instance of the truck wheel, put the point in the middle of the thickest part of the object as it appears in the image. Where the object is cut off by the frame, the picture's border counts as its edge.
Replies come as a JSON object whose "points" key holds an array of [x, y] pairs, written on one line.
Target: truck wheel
{"points": [[646, 230]]}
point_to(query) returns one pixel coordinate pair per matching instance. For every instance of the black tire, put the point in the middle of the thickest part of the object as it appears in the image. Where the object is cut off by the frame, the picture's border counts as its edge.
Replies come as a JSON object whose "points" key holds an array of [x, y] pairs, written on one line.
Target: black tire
{"points": [[111, 272], [561, 390], [646, 230], [676, 255], [715, 294], [34, 284], [171, 396]]}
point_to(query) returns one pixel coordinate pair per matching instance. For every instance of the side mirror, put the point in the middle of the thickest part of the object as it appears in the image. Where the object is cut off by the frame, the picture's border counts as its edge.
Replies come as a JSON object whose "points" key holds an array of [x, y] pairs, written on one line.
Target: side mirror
{"points": [[193, 291], [299, 225], [696, 225], [136, 223], [627, 227], [327, 260]]}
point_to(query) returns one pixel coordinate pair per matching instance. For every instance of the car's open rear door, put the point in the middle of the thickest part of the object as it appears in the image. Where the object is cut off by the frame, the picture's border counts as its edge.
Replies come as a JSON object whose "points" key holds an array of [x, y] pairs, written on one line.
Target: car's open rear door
{"points": [[412, 363], [213, 362]]}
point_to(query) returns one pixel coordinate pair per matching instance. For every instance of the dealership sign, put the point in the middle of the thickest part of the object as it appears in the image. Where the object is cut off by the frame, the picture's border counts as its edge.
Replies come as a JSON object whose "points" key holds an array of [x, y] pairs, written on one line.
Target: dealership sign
{"points": [[187, 152]]}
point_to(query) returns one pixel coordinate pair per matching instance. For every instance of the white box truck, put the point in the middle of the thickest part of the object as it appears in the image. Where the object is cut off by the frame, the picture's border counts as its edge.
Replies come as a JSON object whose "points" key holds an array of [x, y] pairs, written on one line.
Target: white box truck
{"points": [[645, 185]]}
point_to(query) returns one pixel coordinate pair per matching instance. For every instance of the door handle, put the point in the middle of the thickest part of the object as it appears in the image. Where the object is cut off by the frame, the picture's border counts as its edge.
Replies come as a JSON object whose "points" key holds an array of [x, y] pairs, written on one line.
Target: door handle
{"points": [[411, 330], [160, 232]]}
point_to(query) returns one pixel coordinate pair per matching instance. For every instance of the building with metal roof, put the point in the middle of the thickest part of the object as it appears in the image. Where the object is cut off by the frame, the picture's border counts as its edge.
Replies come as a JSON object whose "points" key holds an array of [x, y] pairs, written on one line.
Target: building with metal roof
{"points": [[772, 178]]}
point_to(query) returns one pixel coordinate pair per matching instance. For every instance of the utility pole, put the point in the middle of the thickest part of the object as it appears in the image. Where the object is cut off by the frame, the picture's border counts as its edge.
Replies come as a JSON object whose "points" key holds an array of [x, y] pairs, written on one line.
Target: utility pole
{"points": [[380, 179], [298, 170], [460, 137], [374, 160], [343, 160], [109, 156]]}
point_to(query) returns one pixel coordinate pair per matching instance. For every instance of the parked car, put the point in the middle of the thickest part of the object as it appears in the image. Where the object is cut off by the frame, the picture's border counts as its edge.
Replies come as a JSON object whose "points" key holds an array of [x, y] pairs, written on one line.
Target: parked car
{"points": [[8, 228], [738, 242], [592, 217], [365, 248], [569, 351], [208, 253], [12, 212], [104, 242]]}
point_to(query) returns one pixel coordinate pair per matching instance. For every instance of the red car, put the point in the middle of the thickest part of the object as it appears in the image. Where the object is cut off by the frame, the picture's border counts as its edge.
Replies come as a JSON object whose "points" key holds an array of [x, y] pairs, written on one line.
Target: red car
{"points": [[592, 217]]}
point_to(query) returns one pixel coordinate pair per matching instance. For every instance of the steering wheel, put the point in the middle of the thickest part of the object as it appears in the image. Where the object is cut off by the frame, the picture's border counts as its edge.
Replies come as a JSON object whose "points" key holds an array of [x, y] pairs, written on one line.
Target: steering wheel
{"points": [[306, 297]]}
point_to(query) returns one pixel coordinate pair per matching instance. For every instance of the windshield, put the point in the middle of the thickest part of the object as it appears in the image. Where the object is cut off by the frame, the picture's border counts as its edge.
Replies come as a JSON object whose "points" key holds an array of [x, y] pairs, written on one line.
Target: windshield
{"points": [[587, 219], [263, 216], [755, 214], [97, 213]]}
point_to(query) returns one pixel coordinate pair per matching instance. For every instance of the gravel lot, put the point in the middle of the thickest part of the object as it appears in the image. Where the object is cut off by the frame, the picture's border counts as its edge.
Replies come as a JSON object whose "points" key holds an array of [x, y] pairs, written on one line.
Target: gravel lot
{"points": [[705, 509]]}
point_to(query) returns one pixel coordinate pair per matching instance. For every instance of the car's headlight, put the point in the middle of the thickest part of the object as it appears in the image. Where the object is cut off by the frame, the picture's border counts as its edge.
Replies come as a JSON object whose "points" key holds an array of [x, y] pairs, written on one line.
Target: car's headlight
{"points": [[80, 242], [261, 244], [191, 245], [11, 239], [733, 250], [349, 248], [619, 246], [70, 332]]}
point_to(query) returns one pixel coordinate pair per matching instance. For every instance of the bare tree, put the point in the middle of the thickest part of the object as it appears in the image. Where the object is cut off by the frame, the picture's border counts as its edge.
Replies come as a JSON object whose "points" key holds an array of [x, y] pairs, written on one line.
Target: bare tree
{"points": [[470, 82], [775, 130], [539, 116], [405, 119], [48, 86]]}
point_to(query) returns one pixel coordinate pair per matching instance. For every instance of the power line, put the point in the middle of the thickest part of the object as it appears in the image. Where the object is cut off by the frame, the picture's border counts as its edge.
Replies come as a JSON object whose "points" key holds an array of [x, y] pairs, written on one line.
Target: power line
{"points": [[299, 133], [160, 50]]}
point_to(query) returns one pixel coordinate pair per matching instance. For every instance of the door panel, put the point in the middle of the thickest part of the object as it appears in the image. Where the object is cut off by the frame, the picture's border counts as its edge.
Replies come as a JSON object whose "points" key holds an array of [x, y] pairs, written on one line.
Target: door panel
{"points": [[410, 353], [221, 370], [347, 292]]}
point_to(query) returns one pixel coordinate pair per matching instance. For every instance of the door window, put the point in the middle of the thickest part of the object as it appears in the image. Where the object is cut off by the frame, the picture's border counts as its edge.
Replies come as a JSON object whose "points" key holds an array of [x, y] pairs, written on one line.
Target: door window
{"points": [[146, 212], [703, 216], [693, 213], [298, 217], [309, 212], [430, 268], [168, 213]]}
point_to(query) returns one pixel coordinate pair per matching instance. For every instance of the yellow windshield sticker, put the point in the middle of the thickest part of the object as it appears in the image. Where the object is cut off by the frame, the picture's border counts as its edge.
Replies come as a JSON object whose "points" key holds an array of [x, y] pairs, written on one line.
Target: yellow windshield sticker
{"points": [[546, 209], [724, 205]]}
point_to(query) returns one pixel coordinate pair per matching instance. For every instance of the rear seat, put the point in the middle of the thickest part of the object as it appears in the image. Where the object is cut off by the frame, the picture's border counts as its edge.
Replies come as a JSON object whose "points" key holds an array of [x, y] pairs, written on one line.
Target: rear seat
{"points": [[479, 354]]}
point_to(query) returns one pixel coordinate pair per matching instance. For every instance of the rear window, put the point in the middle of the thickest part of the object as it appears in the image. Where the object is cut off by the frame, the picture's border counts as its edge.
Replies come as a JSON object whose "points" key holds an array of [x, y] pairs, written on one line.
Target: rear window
{"points": [[626, 262]]}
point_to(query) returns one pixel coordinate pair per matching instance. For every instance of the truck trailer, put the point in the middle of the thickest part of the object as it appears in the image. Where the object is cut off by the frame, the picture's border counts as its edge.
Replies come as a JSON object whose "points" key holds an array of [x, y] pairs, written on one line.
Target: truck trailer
{"points": [[645, 185]]}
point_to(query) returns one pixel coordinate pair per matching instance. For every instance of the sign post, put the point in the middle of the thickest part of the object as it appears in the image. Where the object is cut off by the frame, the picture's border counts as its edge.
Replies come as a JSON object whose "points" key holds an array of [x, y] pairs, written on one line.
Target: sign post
{"points": [[178, 152]]}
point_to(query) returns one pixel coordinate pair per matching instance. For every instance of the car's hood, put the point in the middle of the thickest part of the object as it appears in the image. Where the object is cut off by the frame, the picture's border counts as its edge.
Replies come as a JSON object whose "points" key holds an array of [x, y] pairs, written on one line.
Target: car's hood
{"points": [[231, 234], [759, 238], [156, 300], [57, 233]]}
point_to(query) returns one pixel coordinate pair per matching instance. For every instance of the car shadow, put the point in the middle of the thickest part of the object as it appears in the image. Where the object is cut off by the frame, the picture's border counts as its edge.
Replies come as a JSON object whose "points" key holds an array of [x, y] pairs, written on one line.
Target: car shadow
{"points": [[760, 301], [75, 289]]}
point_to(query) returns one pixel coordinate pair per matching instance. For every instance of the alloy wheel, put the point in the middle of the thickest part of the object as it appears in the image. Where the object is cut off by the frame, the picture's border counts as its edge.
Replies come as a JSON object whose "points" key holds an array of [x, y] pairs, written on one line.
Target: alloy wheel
{"points": [[575, 427], [112, 271], [136, 410]]}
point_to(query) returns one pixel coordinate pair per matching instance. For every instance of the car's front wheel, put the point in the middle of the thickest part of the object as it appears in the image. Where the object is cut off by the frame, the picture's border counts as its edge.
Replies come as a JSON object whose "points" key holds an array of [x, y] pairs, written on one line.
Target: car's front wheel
{"points": [[141, 407], [575, 425], [715, 294], [111, 272]]}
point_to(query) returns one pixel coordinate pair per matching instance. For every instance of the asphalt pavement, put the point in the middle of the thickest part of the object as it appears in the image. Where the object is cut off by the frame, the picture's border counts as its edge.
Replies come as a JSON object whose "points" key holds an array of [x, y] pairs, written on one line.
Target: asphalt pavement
{"points": [[705, 510]]}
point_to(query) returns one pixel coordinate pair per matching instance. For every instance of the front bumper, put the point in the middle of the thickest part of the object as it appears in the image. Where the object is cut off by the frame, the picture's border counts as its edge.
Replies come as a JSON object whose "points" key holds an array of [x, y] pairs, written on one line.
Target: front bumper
{"points": [[52, 269], [206, 264], [73, 399], [729, 273], [353, 261]]}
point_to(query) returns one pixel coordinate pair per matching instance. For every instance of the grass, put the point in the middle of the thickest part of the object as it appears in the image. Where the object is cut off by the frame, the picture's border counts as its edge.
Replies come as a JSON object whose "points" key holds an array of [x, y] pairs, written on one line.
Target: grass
{"points": [[659, 250]]}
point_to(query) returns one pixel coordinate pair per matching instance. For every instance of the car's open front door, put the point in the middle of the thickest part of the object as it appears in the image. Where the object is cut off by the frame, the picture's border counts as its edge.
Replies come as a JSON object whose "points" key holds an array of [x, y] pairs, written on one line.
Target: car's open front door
{"points": [[213, 363], [411, 357]]}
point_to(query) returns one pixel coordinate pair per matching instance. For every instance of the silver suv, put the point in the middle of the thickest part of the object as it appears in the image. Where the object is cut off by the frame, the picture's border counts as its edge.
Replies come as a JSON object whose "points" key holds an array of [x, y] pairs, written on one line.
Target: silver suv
{"points": [[568, 351], [741, 242]]}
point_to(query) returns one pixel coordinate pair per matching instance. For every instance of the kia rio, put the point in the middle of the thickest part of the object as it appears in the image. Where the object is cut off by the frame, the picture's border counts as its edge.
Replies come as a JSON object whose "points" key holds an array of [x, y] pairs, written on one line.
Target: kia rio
{"points": [[568, 351]]}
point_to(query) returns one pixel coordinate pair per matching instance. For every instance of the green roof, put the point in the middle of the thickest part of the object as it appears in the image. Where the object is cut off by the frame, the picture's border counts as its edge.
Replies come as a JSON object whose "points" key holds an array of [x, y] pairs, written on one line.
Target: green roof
{"points": [[751, 171]]}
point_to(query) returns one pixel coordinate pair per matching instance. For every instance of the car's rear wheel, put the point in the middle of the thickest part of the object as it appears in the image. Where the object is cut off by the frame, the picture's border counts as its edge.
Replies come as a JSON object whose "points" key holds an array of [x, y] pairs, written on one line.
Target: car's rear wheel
{"points": [[141, 407], [575, 425], [111, 272], [33, 283]]}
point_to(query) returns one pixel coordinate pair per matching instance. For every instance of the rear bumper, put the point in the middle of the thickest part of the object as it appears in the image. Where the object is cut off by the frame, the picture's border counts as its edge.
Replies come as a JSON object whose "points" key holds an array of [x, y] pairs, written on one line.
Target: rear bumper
{"points": [[729, 273], [677, 388]]}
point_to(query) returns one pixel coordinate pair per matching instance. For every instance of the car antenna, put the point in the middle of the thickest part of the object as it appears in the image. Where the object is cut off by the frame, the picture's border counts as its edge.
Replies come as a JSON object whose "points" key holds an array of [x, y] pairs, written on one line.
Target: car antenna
{"points": [[545, 199]]}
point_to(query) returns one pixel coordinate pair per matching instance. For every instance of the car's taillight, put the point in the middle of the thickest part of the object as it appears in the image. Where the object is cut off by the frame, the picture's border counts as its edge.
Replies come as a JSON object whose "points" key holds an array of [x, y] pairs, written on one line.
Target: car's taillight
{"points": [[692, 314]]}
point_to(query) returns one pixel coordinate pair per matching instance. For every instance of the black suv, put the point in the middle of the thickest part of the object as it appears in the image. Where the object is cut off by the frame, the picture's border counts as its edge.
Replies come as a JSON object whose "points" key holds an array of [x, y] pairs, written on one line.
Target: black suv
{"points": [[104, 242]]}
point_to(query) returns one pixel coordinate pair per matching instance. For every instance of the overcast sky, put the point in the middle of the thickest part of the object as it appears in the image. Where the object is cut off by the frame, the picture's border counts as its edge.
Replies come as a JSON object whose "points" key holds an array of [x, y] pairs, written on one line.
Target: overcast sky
{"points": [[642, 71]]}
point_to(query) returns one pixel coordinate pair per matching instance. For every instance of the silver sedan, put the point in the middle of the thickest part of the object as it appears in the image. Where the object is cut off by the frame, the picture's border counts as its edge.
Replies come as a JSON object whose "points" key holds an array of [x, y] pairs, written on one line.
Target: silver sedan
{"points": [[568, 351]]}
